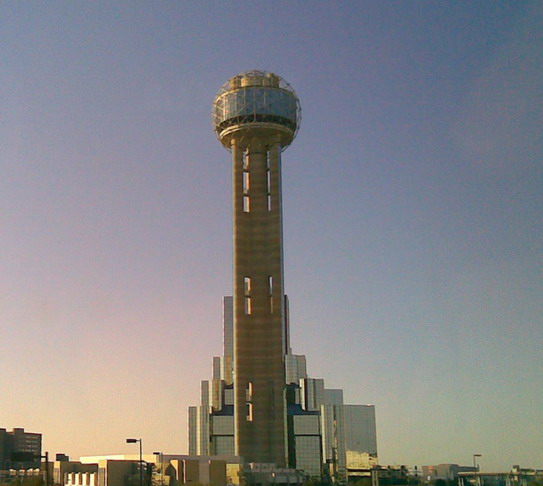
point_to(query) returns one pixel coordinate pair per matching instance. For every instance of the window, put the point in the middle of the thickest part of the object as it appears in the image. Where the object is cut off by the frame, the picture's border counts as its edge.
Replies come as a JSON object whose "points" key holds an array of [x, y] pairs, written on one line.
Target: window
{"points": [[247, 285], [249, 412], [249, 392], [270, 292], [245, 159], [245, 182], [246, 204], [268, 163], [268, 181], [248, 306]]}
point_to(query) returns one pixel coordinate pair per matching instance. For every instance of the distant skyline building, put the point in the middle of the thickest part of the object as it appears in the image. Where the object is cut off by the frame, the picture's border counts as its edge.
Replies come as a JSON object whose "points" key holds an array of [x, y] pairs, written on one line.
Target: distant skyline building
{"points": [[20, 449], [260, 403]]}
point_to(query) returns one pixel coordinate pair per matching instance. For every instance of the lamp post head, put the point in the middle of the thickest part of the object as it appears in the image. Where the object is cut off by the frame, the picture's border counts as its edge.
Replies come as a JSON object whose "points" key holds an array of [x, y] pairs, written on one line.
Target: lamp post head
{"points": [[132, 441]]}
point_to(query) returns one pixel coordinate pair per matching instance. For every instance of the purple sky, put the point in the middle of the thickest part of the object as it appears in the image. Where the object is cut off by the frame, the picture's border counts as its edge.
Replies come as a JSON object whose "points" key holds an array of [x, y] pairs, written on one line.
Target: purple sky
{"points": [[413, 201]]}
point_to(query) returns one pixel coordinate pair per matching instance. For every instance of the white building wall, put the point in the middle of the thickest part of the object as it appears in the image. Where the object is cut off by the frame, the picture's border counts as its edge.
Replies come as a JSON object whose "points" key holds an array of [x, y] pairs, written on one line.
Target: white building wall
{"points": [[80, 479]]}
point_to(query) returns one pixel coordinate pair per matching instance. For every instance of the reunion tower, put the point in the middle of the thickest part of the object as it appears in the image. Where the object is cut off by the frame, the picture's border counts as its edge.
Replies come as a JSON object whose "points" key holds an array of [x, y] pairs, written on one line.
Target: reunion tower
{"points": [[256, 116]]}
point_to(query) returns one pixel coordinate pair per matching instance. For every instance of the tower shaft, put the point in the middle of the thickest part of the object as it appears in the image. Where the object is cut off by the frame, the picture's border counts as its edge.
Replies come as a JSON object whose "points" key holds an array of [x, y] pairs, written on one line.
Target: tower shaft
{"points": [[259, 341]]}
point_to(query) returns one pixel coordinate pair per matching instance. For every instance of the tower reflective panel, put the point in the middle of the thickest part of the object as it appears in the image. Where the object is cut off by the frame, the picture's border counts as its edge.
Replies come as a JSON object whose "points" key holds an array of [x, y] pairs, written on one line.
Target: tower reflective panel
{"points": [[256, 116]]}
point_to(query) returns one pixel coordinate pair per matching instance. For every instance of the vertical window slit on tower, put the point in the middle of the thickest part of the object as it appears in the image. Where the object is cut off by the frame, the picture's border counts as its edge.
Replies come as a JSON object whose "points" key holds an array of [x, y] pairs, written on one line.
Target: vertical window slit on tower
{"points": [[248, 306], [249, 399], [268, 182], [270, 293], [268, 164], [245, 159], [246, 182], [247, 292]]}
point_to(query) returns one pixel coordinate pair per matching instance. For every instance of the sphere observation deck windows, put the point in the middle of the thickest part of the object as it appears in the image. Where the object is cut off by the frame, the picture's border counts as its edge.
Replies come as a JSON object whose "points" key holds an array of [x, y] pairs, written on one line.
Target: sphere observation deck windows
{"points": [[256, 104]]}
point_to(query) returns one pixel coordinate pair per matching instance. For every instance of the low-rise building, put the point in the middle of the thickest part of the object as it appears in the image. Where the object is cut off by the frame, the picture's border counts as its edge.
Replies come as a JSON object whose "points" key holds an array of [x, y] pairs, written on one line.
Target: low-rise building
{"points": [[65, 467], [155, 469]]}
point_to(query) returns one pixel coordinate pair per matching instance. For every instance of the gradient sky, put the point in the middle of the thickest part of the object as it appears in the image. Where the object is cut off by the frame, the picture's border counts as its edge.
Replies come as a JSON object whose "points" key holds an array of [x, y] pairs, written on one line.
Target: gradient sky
{"points": [[413, 201]]}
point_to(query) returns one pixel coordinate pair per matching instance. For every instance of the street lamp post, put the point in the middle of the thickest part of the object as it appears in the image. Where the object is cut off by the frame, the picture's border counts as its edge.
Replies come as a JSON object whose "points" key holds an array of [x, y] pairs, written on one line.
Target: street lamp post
{"points": [[161, 461], [475, 465], [133, 441], [47, 478]]}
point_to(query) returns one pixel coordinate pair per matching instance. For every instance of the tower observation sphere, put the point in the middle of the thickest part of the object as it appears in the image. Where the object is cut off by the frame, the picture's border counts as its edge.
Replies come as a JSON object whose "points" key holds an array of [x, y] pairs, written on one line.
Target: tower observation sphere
{"points": [[256, 104], [256, 116]]}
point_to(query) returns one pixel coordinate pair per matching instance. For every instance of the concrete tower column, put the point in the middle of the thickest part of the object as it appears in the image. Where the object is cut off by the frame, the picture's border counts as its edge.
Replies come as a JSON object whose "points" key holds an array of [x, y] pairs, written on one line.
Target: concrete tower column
{"points": [[256, 116], [259, 381]]}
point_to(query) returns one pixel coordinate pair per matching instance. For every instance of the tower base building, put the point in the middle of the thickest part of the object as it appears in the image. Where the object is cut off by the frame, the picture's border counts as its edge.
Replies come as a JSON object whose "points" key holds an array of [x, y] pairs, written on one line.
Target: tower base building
{"points": [[325, 436]]}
